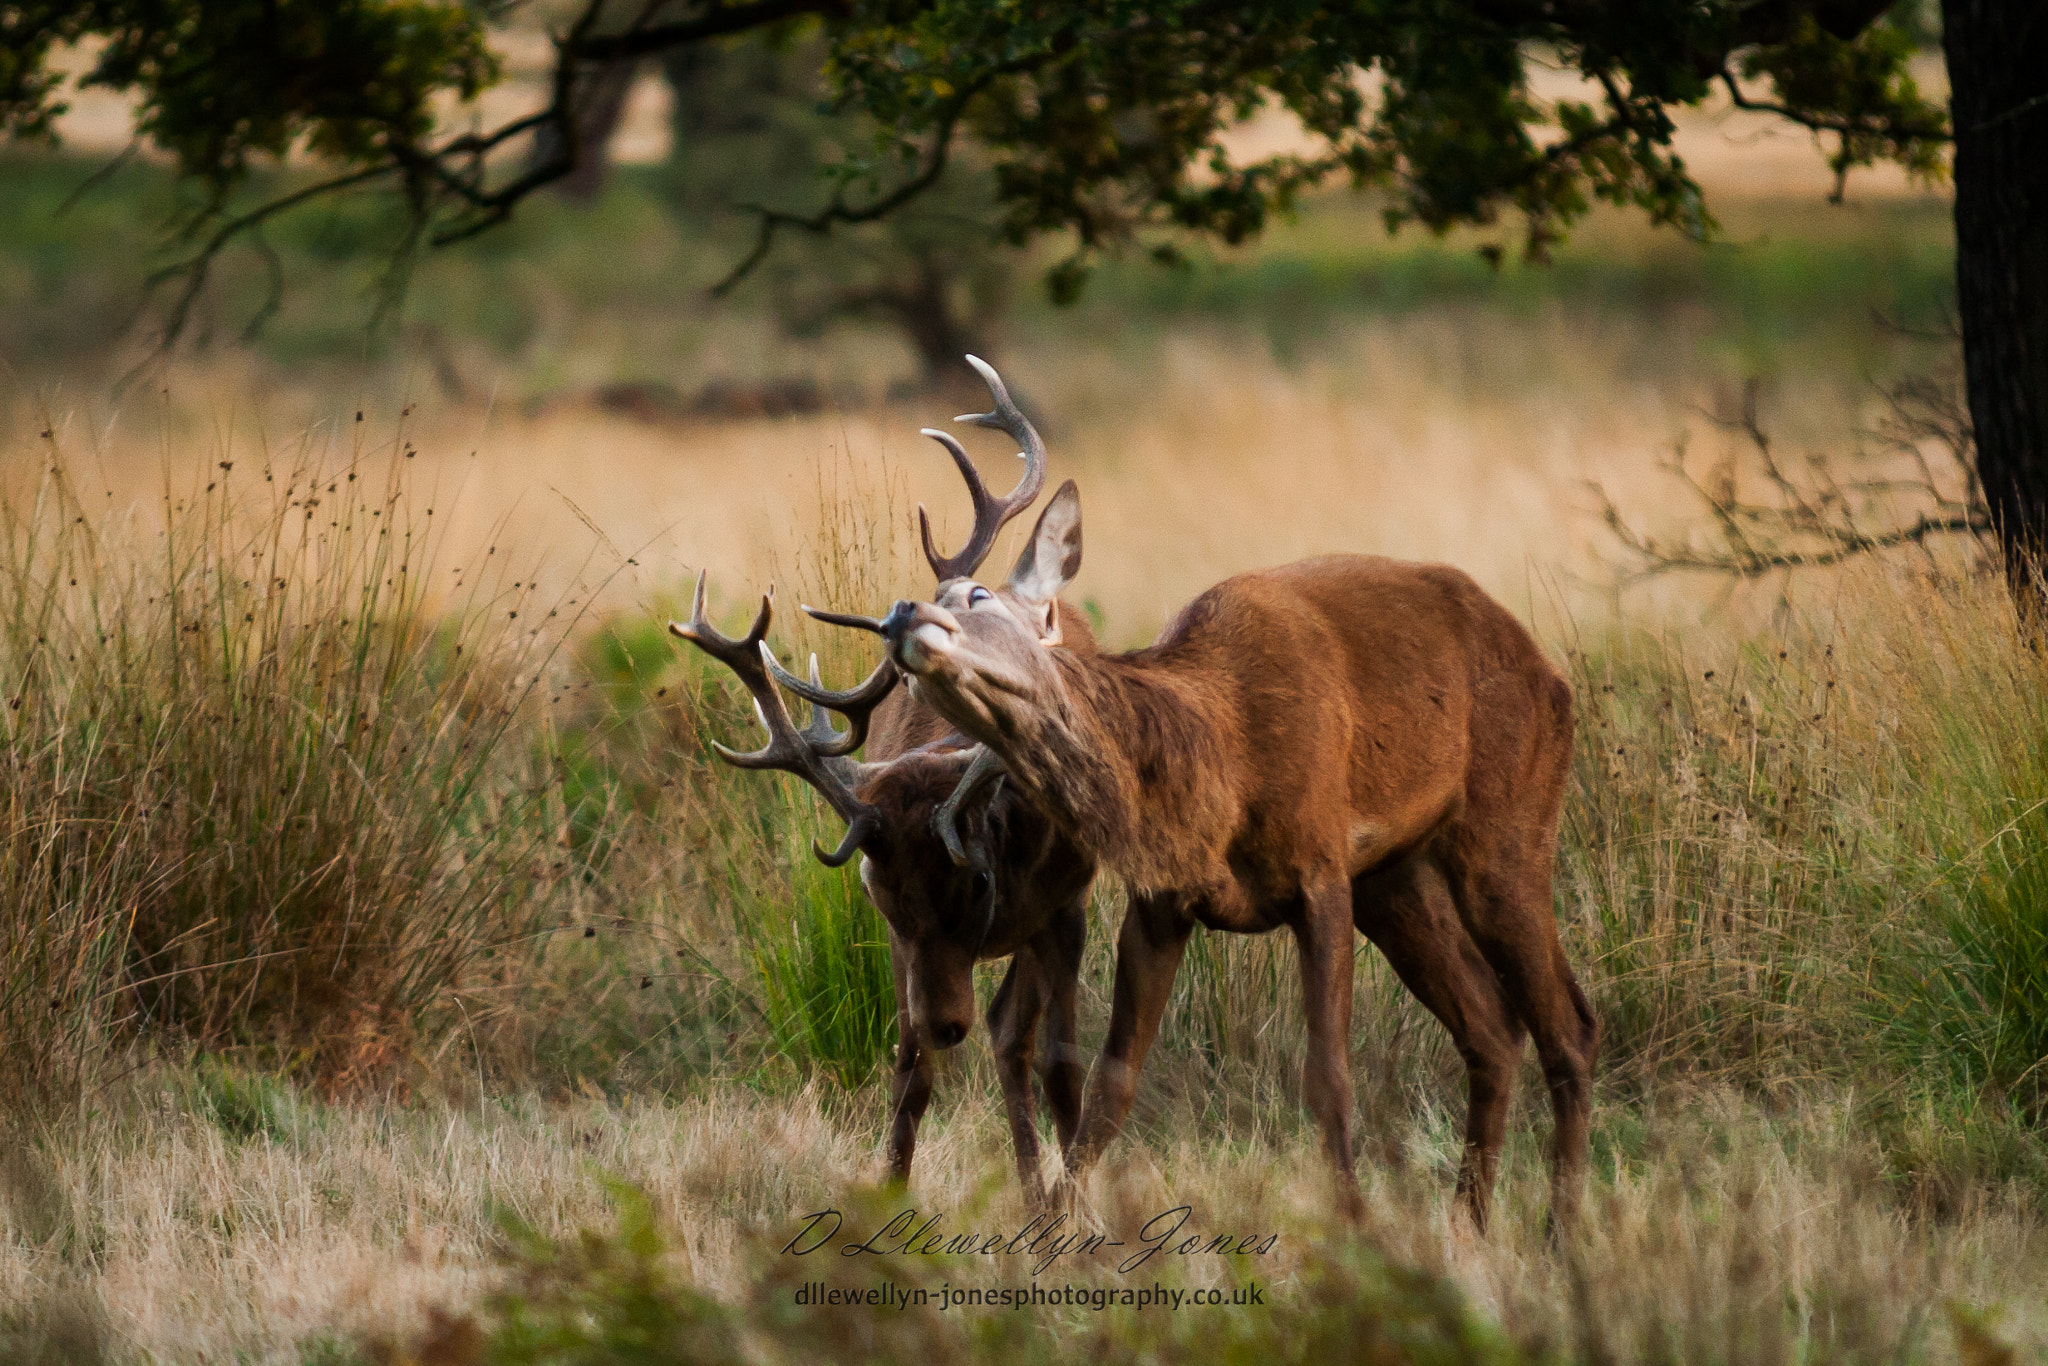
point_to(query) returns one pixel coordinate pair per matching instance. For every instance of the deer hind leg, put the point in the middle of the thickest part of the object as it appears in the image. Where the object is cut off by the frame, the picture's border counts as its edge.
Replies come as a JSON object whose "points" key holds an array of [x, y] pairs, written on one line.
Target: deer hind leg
{"points": [[1148, 954], [1012, 1030], [1409, 915], [910, 1085], [1507, 909], [1323, 934], [1061, 1071]]}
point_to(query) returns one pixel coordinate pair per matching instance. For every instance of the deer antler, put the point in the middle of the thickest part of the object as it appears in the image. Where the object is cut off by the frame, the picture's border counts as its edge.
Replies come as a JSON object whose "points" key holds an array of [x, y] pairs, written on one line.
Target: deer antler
{"points": [[990, 513], [814, 753], [990, 516], [985, 768], [856, 704], [849, 619]]}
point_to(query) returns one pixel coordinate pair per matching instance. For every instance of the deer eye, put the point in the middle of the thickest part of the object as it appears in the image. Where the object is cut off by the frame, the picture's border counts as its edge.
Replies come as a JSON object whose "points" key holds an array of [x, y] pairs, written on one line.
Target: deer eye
{"points": [[980, 886], [979, 594]]}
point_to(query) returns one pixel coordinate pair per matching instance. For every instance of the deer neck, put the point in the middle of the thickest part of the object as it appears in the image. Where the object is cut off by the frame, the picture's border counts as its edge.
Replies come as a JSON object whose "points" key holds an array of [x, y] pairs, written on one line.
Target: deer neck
{"points": [[1129, 760]]}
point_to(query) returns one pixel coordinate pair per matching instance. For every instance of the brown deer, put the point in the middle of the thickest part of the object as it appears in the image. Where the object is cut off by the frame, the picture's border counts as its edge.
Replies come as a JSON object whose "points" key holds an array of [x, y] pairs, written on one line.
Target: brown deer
{"points": [[1346, 741], [1015, 887]]}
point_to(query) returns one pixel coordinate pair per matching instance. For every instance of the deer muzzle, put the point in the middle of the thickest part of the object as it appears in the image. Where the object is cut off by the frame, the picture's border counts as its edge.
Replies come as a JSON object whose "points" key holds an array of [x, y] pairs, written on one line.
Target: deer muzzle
{"points": [[941, 992], [920, 635]]}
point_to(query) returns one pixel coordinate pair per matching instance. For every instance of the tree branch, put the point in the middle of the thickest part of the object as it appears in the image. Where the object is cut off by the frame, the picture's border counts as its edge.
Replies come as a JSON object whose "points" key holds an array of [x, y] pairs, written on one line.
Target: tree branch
{"points": [[719, 23], [1824, 123], [838, 211], [196, 266], [1818, 521]]}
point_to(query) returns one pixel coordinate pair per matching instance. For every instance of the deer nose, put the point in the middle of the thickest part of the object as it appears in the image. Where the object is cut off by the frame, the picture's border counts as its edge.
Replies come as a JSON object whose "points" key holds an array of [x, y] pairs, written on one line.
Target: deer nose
{"points": [[946, 1033], [918, 633], [899, 620], [906, 616]]}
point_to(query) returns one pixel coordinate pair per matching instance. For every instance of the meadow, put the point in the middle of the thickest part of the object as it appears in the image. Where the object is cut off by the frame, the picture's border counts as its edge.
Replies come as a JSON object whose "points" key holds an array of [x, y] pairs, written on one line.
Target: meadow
{"points": [[391, 972]]}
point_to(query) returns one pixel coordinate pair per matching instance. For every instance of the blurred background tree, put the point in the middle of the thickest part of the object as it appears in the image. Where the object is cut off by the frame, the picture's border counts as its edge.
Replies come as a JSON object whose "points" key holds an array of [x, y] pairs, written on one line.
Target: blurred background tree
{"points": [[755, 126], [1100, 125]]}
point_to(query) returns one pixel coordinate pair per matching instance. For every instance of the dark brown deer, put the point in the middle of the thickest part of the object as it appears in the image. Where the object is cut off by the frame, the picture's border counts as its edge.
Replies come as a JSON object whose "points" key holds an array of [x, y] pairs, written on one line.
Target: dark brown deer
{"points": [[1013, 887], [1346, 741]]}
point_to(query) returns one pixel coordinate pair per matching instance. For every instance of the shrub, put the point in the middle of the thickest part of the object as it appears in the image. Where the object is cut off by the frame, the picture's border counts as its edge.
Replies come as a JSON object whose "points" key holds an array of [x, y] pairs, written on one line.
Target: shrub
{"points": [[264, 786]]}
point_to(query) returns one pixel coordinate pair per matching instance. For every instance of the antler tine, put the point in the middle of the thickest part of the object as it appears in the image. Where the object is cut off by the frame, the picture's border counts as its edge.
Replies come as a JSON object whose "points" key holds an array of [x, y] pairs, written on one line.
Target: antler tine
{"points": [[985, 768], [856, 704], [727, 651], [813, 754], [784, 740], [989, 513], [857, 833], [984, 510], [857, 622], [1006, 417]]}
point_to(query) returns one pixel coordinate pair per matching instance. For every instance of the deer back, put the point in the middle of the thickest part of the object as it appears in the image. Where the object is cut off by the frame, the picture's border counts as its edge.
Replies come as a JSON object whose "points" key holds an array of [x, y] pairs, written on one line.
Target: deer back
{"points": [[1329, 712]]}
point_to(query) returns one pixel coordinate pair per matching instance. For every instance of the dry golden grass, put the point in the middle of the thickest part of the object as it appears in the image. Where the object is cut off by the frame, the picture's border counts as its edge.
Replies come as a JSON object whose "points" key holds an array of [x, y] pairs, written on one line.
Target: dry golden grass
{"points": [[349, 1222], [1464, 437]]}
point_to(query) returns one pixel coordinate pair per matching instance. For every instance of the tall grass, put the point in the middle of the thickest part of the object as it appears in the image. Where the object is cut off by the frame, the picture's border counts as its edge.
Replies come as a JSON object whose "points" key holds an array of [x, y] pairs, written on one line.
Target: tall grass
{"points": [[1716, 870], [1971, 1004], [1812, 859], [819, 953], [709, 867], [1986, 1002], [267, 780]]}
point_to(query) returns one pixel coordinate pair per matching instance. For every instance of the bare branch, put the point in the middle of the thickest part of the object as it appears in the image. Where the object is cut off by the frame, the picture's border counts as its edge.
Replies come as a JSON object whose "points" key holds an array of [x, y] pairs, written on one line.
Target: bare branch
{"points": [[196, 267], [99, 177], [1818, 518]]}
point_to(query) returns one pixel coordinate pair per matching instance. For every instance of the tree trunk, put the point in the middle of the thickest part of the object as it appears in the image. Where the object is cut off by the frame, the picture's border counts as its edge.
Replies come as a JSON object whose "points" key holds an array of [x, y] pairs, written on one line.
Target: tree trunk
{"points": [[600, 104], [924, 309], [1998, 73]]}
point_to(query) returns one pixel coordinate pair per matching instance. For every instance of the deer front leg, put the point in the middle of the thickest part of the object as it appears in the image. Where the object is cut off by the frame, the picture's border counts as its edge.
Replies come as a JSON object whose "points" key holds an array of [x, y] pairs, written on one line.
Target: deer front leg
{"points": [[1012, 1031], [1323, 934], [910, 1086], [1060, 1070], [1148, 954]]}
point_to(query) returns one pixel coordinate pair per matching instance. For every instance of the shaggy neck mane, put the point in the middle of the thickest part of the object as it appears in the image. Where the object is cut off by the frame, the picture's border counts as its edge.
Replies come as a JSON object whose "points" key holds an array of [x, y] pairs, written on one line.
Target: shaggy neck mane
{"points": [[1127, 762]]}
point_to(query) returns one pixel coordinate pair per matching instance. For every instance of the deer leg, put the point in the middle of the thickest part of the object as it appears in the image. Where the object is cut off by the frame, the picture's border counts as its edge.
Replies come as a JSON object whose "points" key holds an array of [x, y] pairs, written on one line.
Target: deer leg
{"points": [[1012, 1025], [1060, 1070], [910, 1086], [1408, 914], [1513, 923], [1148, 954], [1323, 934]]}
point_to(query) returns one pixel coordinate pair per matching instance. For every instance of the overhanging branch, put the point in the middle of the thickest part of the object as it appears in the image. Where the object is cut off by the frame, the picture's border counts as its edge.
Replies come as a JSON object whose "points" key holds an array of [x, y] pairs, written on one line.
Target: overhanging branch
{"points": [[838, 211], [721, 22], [196, 267], [1884, 129]]}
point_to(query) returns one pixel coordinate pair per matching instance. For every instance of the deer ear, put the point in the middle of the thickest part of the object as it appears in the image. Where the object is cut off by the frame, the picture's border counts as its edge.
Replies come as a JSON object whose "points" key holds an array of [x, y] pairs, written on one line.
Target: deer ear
{"points": [[1051, 557]]}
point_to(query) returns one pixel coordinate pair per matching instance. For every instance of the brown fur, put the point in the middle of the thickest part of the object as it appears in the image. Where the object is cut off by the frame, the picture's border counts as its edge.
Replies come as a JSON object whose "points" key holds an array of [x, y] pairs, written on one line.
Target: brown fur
{"points": [[1025, 895], [940, 925], [1025, 898], [1347, 741]]}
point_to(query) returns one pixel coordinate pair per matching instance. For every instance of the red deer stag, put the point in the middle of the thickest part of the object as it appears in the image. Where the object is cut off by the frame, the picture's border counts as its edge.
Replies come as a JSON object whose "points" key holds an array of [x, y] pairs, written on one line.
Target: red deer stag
{"points": [[1346, 741], [1015, 888]]}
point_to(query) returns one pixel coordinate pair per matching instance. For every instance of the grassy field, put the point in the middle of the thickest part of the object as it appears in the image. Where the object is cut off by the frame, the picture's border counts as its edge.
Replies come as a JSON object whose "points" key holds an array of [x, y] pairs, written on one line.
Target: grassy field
{"points": [[378, 916]]}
